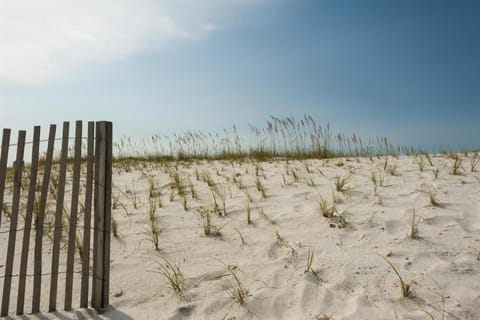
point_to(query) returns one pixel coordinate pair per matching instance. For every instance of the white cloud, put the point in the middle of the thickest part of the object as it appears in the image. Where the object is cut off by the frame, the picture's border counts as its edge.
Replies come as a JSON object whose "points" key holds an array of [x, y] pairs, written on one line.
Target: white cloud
{"points": [[43, 40]]}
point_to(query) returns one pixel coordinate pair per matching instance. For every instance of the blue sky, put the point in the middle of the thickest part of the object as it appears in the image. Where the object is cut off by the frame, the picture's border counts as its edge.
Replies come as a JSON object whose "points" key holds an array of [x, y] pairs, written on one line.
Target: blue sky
{"points": [[408, 70]]}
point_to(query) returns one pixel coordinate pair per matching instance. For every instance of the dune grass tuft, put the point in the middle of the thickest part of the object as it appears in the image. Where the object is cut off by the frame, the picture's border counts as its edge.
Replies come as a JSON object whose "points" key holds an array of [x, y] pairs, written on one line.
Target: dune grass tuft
{"points": [[153, 228], [341, 183], [173, 276], [414, 233], [327, 210], [209, 229], [260, 188], [432, 196], [457, 163], [310, 260], [405, 288]]}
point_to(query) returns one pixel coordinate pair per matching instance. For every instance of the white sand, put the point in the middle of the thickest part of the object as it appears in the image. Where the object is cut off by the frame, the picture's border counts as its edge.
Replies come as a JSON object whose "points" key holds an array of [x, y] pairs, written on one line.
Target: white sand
{"points": [[351, 279]]}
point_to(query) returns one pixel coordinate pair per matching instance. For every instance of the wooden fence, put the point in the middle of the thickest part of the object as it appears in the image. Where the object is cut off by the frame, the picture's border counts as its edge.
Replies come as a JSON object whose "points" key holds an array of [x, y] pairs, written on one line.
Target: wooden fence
{"points": [[43, 208]]}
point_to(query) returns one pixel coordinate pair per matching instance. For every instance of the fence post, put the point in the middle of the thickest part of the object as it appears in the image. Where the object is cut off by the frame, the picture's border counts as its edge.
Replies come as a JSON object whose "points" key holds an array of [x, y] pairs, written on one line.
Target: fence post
{"points": [[17, 183], [102, 215], [108, 215]]}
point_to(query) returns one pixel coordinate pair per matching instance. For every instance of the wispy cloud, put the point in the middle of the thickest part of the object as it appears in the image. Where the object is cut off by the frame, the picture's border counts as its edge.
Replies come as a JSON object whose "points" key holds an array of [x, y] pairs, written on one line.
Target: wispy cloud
{"points": [[45, 40]]}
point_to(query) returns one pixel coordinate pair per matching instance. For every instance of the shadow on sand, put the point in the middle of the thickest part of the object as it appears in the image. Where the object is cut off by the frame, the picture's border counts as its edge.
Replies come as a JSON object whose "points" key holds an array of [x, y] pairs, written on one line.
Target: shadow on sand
{"points": [[81, 314]]}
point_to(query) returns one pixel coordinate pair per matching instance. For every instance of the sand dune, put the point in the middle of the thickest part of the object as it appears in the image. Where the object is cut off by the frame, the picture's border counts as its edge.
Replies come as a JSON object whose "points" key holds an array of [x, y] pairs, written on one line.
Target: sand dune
{"points": [[349, 277]]}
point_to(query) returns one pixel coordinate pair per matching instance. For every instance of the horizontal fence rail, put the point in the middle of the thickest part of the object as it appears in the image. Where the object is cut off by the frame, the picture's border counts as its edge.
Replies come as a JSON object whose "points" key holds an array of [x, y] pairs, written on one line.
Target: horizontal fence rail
{"points": [[46, 209]]}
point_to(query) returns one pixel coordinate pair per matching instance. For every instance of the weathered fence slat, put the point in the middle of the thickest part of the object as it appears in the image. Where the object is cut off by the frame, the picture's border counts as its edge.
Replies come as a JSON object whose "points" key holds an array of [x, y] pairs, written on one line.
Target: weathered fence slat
{"points": [[18, 166], [101, 224], [37, 277], [73, 216], [28, 220], [3, 166], [52, 306], [87, 217], [99, 217], [108, 214]]}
